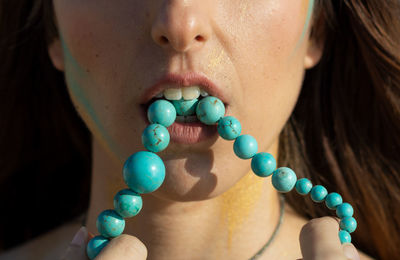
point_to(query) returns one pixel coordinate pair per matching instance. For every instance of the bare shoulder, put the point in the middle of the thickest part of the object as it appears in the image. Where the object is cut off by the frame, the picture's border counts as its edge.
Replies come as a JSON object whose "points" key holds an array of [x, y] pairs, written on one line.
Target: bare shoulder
{"points": [[47, 246]]}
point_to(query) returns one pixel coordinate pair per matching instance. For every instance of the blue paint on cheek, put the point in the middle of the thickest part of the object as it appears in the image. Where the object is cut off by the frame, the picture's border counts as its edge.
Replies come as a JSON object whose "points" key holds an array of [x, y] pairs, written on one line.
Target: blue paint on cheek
{"points": [[80, 96], [306, 24]]}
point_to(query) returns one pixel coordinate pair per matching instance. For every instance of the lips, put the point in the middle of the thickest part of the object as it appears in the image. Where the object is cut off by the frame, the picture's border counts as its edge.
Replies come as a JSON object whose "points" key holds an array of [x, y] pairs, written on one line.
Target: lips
{"points": [[185, 133], [173, 80]]}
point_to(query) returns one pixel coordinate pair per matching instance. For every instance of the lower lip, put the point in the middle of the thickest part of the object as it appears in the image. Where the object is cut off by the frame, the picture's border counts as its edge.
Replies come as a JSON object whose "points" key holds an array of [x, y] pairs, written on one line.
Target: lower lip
{"points": [[189, 133]]}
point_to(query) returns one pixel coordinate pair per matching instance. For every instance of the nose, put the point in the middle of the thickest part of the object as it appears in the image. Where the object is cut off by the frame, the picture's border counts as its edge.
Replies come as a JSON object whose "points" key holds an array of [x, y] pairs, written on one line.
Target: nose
{"points": [[181, 25]]}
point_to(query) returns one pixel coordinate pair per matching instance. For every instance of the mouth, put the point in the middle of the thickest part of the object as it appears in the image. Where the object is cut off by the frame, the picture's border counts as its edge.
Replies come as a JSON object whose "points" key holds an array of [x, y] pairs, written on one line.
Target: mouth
{"points": [[186, 129]]}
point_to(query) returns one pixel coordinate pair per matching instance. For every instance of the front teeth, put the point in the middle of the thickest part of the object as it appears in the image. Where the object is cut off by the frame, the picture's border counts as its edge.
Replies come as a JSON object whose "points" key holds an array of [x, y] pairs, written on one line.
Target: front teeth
{"points": [[173, 94], [187, 93]]}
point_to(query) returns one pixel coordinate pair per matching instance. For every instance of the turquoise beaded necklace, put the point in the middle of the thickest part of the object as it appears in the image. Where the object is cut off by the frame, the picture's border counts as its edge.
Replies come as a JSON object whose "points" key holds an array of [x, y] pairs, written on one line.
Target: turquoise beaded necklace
{"points": [[144, 171]]}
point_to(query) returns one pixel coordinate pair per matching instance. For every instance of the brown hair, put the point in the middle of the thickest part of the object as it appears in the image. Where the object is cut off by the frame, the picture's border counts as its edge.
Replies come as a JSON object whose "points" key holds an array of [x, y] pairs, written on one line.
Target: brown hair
{"points": [[343, 133]]}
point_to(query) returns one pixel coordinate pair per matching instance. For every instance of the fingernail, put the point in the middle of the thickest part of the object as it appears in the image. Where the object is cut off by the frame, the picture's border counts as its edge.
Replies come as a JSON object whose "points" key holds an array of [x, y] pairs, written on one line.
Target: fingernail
{"points": [[80, 237], [350, 251]]}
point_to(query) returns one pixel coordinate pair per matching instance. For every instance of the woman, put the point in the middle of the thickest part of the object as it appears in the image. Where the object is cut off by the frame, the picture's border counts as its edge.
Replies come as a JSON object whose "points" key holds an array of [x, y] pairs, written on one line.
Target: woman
{"points": [[316, 83]]}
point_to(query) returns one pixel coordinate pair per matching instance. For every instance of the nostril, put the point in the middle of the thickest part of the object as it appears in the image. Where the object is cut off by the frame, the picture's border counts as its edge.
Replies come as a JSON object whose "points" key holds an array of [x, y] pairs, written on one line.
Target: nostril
{"points": [[164, 40], [200, 38]]}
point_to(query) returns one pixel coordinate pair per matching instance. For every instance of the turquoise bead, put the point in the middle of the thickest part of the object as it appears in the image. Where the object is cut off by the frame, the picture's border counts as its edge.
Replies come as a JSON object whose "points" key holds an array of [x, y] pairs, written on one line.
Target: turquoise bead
{"points": [[348, 224], [144, 172], [303, 186], [284, 179], [245, 146], [209, 110], [344, 210], [229, 128], [318, 193], [344, 236], [110, 224], [263, 164], [95, 245], [185, 107], [161, 112], [155, 138], [127, 203], [333, 200]]}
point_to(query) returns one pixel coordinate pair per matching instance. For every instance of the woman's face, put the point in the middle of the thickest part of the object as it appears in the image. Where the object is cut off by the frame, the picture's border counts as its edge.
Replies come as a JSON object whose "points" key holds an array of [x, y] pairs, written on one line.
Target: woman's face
{"points": [[255, 52]]}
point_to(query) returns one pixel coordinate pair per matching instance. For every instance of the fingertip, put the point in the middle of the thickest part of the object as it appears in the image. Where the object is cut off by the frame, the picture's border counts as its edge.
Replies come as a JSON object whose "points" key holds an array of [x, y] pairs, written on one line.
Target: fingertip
{"points": [[350, 251]]}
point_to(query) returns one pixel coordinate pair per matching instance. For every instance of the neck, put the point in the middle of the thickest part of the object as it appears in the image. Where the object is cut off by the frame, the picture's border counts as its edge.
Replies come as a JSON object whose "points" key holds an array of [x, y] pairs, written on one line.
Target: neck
{"points": [[234, 225]]}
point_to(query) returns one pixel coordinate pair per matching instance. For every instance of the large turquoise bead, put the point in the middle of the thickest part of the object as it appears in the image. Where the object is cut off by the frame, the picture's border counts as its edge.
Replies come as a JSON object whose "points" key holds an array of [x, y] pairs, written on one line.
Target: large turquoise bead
{"points": [[144, 172], [209, 110], [229, 128], [344, 210], [95, 245], [185, 107], [155, 138], [344, 236], [303, 186], [333, 200], [263, 164], [110, 224], [348, 223], [245, 146], [127, 203], [161, 112], [284, 179], [318, 193]]}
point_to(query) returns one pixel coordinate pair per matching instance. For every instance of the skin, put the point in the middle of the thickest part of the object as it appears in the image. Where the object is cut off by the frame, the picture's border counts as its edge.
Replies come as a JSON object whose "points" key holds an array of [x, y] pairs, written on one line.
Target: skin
{"points": [[257, 52]]}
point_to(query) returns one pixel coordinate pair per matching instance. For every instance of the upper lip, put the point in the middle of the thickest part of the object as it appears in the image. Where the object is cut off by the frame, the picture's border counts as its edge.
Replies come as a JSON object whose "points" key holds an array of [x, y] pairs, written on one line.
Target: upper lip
{"points": [[174, 80]]}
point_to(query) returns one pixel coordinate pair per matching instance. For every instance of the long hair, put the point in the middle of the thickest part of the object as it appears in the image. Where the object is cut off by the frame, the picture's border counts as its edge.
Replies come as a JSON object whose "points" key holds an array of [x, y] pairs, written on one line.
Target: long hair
{"points": [[344, 132]]}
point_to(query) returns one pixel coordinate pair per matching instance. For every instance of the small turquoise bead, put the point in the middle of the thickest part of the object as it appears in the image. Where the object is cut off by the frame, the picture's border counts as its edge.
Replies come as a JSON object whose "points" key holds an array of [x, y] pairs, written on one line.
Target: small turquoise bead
{"points": [[127, 203], [344, 210], [318, 193], [185, 107], [209, 110], [155, 138], [263, 164], [245, 146], [333, 200], [95, 245], [110, 224], [303, 186], [161, 112], [284, 179], [344, 236], [348, 223], [229, 128], [144, 172]]}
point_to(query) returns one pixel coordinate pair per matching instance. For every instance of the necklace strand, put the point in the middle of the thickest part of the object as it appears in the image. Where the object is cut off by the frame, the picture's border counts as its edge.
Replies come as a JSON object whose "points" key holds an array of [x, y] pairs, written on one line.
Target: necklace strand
{"points": [[144, 171]]}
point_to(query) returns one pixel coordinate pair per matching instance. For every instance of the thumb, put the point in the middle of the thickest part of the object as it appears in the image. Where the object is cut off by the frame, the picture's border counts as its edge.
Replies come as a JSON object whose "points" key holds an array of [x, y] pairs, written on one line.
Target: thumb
{"points": [[123, 247], [77, 247]]}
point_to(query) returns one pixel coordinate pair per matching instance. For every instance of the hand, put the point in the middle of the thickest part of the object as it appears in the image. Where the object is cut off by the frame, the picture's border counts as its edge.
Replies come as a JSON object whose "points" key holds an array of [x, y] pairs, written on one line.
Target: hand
{"points": [[319, 240], [123, 247]]}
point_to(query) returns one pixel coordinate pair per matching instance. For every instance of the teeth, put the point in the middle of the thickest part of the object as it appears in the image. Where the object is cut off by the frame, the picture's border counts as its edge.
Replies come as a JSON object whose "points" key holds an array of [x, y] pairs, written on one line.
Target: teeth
{"points": [[190, 93], [203, 93], [160, 95], [173, 94], [187, 93]]}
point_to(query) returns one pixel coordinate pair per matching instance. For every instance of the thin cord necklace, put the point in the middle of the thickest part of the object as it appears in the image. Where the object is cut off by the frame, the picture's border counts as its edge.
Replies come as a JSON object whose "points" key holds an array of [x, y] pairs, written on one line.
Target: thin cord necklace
{"points": [[278, 225], [144, 171]]}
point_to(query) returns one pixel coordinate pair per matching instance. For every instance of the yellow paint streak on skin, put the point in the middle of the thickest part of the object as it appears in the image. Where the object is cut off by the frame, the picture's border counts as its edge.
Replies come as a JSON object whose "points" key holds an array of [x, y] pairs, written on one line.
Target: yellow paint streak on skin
{"points": [[243, 6], [216, 59], [239, 201]]}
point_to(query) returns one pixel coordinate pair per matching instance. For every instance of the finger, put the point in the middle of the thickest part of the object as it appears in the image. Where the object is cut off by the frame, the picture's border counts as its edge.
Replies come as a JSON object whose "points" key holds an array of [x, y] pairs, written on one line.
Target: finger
{"points": [[77, 247], [123, 247], [350, 251], [319, 240]]}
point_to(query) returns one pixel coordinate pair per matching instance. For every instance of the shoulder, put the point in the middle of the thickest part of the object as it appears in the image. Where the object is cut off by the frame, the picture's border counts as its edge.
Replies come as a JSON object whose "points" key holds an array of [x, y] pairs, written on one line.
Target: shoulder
{"points": [[50, 245]]}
